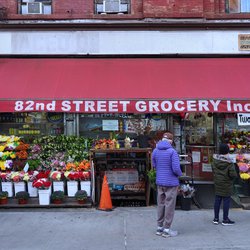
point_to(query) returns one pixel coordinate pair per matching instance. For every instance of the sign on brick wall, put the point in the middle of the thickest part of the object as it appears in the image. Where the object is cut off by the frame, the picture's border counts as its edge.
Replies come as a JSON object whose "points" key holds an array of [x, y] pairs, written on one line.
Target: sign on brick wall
{"points": [[244, 41]]}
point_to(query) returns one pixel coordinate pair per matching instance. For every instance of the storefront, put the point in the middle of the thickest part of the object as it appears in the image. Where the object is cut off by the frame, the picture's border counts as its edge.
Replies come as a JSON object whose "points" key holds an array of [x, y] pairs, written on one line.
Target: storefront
{"points": [[196, 98]]}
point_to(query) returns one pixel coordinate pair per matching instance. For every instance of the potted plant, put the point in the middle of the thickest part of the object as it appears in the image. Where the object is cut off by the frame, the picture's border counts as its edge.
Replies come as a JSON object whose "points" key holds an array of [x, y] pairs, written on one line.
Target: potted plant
{"points": [[43, 185], [72, 181], [186, 192], [152, 178], [57, 178], [3, 197], [57, 197], [22, 197], [17, 178], [81, 196], [85, 183], [6, 183]]}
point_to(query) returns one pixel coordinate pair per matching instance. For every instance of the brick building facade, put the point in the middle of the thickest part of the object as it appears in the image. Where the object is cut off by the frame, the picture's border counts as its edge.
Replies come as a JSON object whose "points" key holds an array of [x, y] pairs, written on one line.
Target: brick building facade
{"points": [[139, 9]]}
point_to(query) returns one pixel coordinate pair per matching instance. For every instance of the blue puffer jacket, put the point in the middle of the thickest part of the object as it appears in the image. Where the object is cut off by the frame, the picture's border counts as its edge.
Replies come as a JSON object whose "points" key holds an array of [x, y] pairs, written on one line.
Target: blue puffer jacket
{"points": [[167, 163]]}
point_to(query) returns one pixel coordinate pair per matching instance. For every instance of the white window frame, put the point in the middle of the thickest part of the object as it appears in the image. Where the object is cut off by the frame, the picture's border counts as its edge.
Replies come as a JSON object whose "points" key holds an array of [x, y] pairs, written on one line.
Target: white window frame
{"points": [[243, 6], [101, 8], [45, 7]]}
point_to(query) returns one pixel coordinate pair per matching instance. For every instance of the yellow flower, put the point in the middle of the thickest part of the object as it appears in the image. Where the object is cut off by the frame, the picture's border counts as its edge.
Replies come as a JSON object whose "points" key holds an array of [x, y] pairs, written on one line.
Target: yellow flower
{"points": [[3, 138], [12, 156], [244, 176], [2, 166], [2, 148]]}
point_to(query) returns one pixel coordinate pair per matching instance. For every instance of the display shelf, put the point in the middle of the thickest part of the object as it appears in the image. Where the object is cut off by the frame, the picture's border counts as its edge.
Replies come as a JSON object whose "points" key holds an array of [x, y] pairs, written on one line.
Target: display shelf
{"points": [[186, 163], [123, 167]]}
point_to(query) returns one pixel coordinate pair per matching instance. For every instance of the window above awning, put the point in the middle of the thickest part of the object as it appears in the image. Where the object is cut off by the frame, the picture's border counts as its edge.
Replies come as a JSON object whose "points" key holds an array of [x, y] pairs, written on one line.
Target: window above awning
{"points": [[181, 82]]}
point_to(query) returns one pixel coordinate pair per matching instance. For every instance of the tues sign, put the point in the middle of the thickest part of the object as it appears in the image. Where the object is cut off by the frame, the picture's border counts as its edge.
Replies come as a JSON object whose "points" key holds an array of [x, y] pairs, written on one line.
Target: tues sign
{"points": [[243, 119]]}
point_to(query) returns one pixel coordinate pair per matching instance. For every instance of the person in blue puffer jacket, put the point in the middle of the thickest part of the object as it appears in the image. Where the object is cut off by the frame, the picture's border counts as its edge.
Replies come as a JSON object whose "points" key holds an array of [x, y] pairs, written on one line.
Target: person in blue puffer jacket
{"points": [[165, 160]]}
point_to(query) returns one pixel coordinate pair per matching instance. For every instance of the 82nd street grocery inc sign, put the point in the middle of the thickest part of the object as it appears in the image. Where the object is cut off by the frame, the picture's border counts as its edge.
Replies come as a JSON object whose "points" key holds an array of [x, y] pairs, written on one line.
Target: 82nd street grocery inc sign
{"points": [[125, 106]]}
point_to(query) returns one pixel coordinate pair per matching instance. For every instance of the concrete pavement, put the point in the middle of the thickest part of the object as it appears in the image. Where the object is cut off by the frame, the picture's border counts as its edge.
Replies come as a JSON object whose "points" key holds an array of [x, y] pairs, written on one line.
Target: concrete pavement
{"points": [[125, 228]]}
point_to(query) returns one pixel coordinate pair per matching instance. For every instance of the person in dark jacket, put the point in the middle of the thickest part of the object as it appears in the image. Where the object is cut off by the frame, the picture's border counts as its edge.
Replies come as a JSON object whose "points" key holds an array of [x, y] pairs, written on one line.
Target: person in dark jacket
{"points": [[224, 173], [166, 161]]}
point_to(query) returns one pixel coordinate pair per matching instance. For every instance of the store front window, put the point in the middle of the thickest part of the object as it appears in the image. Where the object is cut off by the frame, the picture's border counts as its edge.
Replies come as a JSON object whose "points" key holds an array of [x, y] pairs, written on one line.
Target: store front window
{"points": [[31, 125], [232, 130], [122, 126], [198, 140]]}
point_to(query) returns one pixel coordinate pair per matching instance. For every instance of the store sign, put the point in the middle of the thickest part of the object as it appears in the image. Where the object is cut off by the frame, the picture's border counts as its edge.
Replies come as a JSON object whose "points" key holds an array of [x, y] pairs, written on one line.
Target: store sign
{"points": [[126, 106], [244, 41], [243, 119], [110, 125]]}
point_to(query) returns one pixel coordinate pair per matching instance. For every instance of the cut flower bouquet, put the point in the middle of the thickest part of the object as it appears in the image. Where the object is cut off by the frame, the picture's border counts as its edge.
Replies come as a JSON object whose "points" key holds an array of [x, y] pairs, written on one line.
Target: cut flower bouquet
{"points": [[243, 163], [186, 190], [5, 177], [42, 183], [56, 175], [17, 176], [72, 176]]}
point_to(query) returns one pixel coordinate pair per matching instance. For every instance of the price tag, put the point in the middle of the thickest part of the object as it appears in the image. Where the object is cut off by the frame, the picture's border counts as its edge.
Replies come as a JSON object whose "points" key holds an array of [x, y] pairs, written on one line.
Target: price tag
{"points": [[26, 167]]}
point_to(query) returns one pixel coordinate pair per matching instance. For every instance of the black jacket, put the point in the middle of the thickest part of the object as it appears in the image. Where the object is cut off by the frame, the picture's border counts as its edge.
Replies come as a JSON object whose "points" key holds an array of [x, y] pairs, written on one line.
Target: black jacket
{"points": [[224, 173]]}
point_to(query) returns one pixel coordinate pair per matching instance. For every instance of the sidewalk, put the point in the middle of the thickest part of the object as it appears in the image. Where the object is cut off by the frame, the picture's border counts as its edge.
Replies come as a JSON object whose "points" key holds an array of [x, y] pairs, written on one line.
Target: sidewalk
{"points": [[124, 228]]}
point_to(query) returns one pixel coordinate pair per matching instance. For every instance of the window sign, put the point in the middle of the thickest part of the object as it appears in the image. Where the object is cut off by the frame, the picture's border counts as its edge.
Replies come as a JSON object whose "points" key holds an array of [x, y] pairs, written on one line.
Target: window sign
{"points": [[177, 130], [110, 125], [196, 156], [243, 119], [206, 167]]}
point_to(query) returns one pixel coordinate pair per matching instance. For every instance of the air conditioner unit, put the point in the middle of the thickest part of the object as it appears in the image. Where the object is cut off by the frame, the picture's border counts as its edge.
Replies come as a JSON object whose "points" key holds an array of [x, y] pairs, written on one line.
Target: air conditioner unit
{"points": [[114, 6], [35, 8]]}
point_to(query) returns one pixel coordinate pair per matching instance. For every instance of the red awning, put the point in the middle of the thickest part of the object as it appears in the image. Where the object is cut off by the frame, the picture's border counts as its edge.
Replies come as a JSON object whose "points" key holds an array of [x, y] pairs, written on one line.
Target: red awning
{"points": [[164, 79]]}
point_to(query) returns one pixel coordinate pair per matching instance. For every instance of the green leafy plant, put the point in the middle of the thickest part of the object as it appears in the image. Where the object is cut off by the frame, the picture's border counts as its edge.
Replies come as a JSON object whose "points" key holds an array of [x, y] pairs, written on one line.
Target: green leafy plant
{"points": [[3, 195], [152, 178], [57, 195], [74, 148], [22, 195], [81, 195]]}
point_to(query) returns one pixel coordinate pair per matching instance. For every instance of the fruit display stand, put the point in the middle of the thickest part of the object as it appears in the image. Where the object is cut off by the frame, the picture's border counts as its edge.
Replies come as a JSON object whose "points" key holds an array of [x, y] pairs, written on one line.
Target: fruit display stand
{"points": [[126, 170]]}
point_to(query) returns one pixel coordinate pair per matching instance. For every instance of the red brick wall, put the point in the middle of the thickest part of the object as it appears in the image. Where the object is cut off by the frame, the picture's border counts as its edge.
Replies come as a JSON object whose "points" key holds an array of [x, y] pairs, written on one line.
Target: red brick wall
{"points": [[84, 9], [173, 8], [65, 7]]}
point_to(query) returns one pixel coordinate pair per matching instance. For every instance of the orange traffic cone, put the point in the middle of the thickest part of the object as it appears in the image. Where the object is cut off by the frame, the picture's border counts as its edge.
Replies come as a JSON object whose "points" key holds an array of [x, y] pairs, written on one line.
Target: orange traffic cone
{"points": [[105, 202]]}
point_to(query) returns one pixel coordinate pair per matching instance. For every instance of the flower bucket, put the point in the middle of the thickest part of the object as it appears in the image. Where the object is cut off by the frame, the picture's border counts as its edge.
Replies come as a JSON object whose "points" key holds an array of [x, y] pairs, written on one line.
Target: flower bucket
{"points": [[58, 186], [44, 197], [72, 187], [186, 203], [31, 190], [86, 185], [246, 187], [8, 186], [19, 186]]}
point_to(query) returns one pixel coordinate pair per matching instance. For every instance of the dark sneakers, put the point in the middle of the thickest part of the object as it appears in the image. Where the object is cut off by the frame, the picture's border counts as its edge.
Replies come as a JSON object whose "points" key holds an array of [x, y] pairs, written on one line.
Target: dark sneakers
{"points": [[228, 222], [216, 221], [159, 231]]}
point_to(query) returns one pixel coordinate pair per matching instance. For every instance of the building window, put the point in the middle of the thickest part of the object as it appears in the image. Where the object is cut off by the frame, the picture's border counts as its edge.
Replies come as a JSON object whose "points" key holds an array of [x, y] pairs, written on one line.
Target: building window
{"points": [[112, 6], [238, 6], [36, 7]]}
